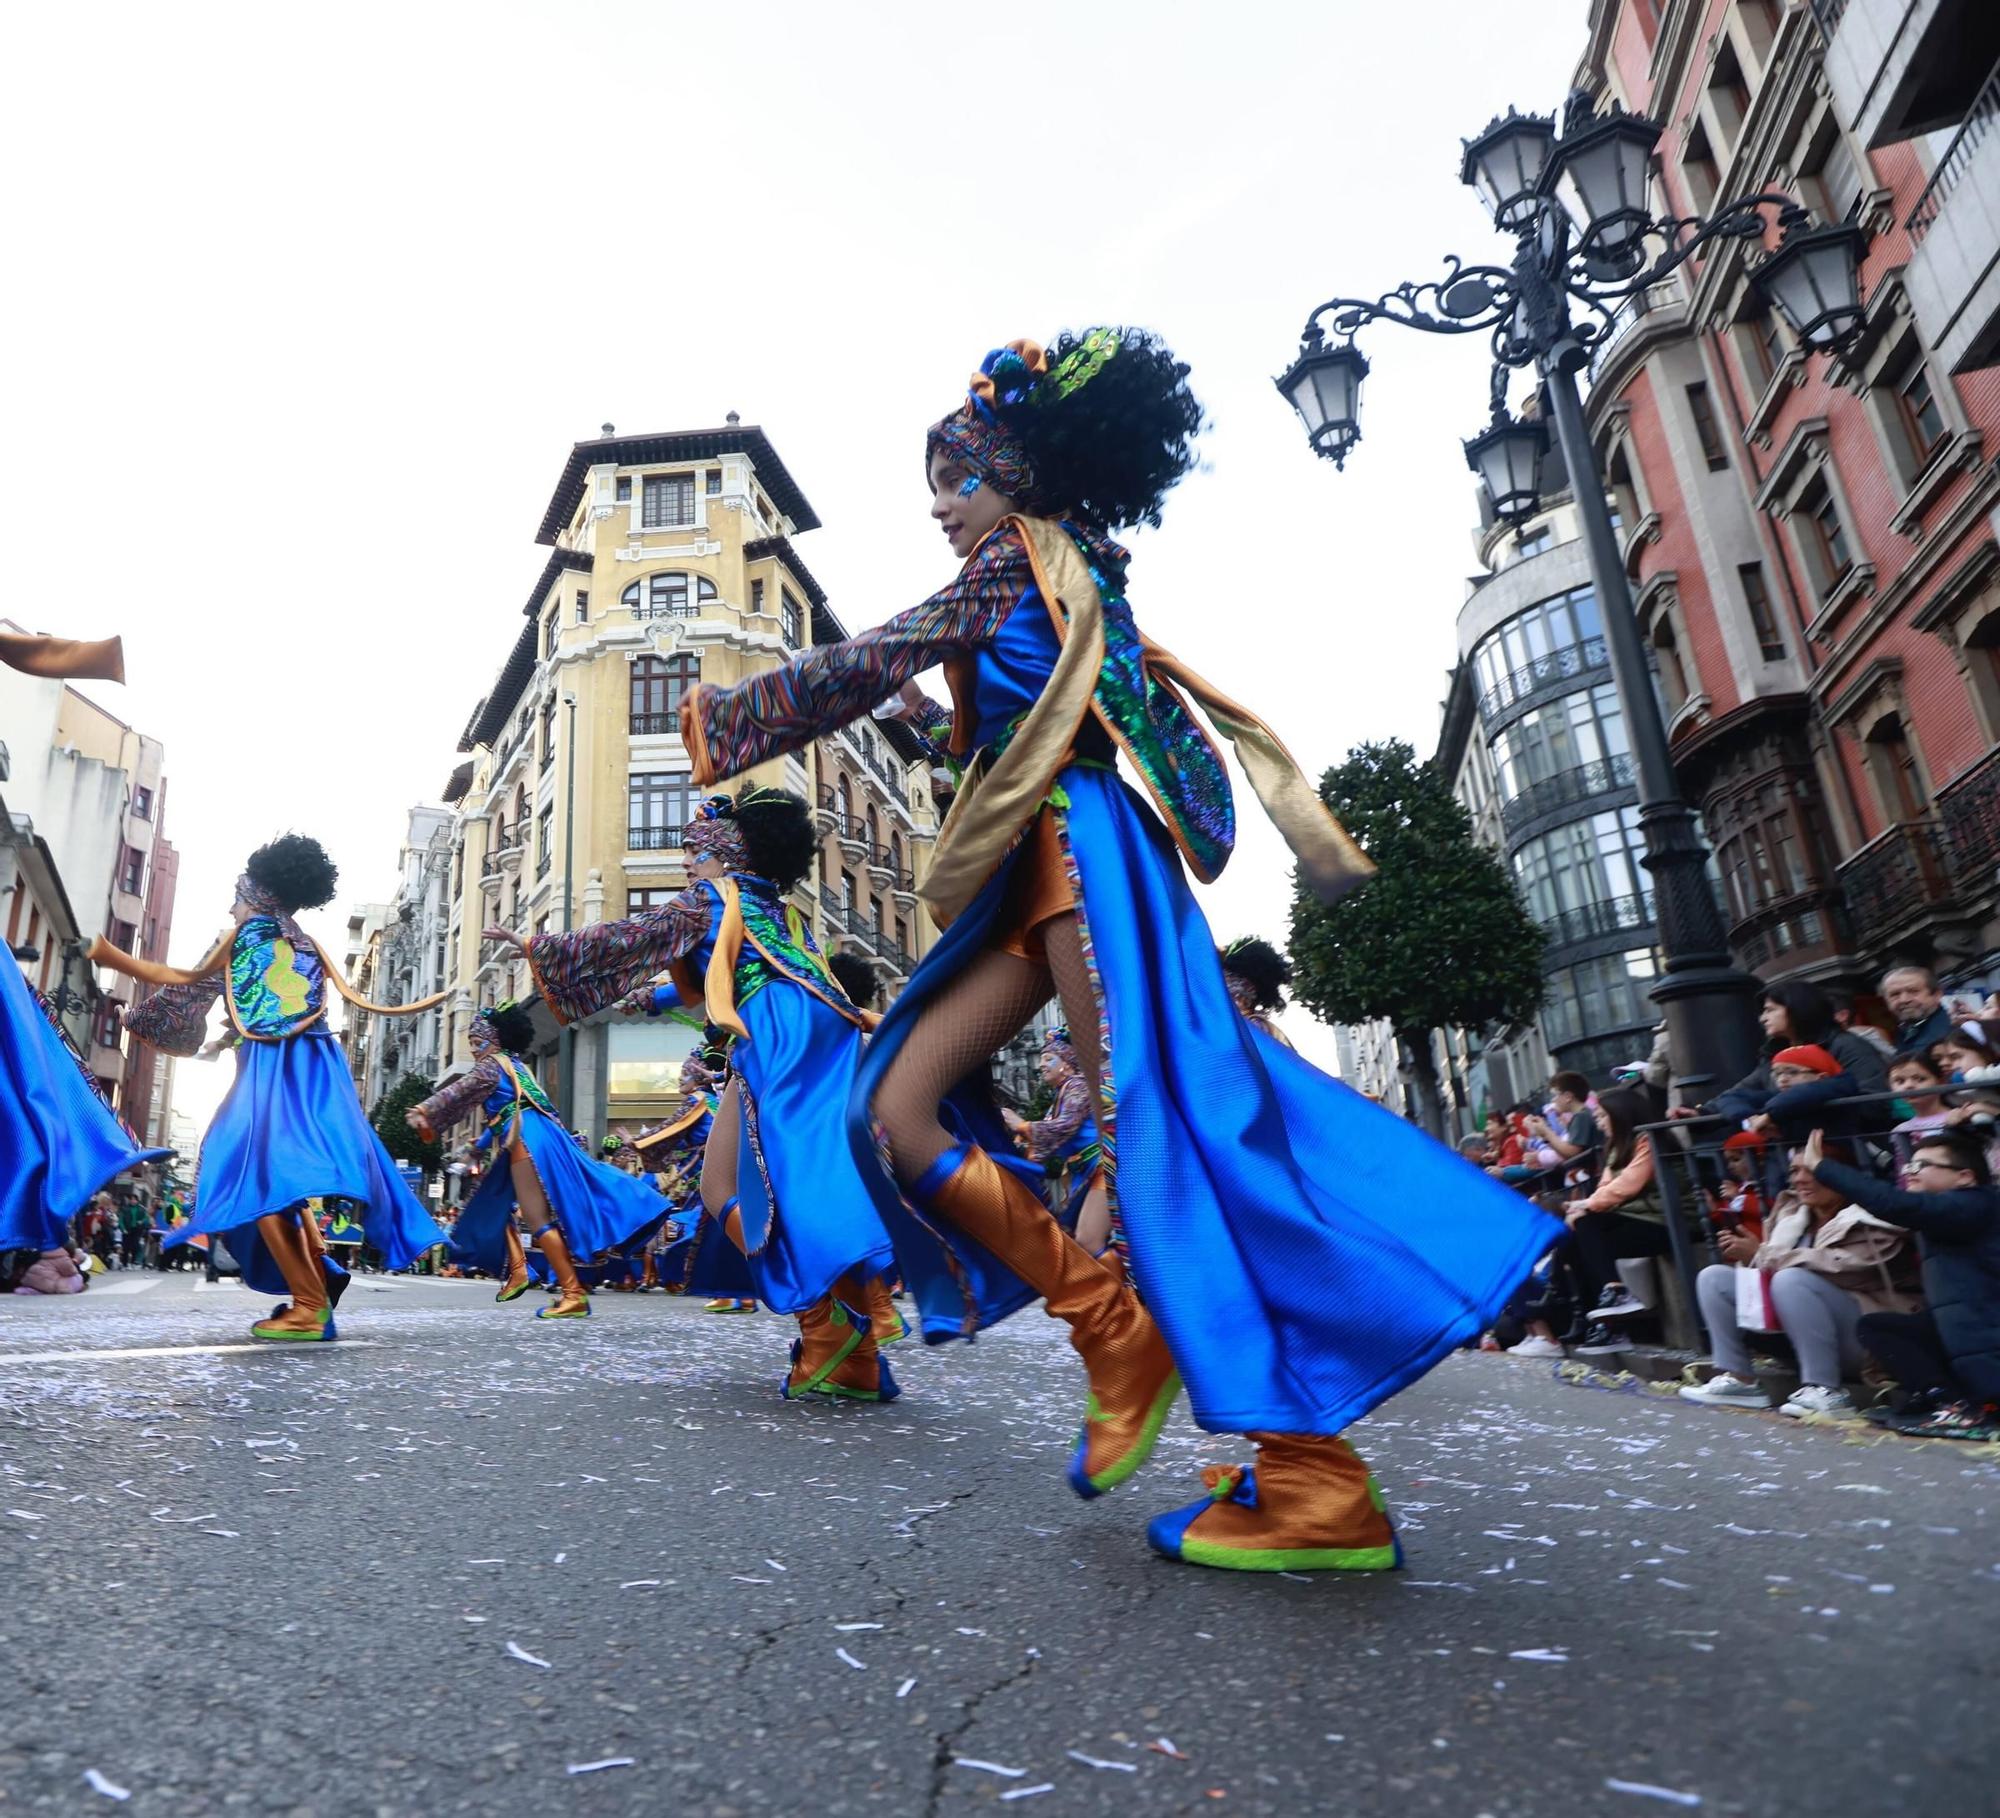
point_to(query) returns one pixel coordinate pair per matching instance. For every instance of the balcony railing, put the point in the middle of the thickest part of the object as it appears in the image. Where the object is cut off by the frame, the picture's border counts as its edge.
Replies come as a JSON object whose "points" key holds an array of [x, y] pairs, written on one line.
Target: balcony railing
{"points": [[1970, 811], [1828, 13], [1602, 776], [1572, 663], [1629, 314], [654, 725], [667, 609], [1980, 119], [653, 839], [1614, 915], [1893, 879]]}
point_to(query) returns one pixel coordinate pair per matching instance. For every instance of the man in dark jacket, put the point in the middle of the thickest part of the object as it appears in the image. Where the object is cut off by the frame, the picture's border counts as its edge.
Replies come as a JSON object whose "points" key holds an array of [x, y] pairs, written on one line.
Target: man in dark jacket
{"points": [[1949, 1354], [1914, 1000]]}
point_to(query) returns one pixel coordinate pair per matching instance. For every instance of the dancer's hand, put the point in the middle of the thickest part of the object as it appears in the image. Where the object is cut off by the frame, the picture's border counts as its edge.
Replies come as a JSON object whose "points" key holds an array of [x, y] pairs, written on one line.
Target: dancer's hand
{"points": [[504, 934]]}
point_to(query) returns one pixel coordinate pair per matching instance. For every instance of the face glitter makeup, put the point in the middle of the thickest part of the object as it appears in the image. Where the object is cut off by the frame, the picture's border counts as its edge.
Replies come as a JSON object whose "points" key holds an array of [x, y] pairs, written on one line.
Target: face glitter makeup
{"points": [[971, 486]]}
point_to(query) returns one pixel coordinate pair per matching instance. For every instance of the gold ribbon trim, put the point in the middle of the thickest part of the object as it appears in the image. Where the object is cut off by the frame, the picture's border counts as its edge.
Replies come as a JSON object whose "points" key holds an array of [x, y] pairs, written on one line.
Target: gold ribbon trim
{"points": [[96, 659], [157, 972]]}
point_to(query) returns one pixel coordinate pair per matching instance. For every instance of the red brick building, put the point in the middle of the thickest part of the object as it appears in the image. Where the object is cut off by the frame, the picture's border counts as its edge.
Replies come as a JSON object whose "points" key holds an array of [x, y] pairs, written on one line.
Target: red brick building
{"points": [[1812, 541]]}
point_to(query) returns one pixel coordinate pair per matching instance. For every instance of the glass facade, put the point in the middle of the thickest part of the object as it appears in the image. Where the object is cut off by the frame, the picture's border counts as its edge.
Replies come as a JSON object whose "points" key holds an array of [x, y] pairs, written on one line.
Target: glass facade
{"points": [[1601, 994], [1581, 728], [1589, 862], [1506, 659]]}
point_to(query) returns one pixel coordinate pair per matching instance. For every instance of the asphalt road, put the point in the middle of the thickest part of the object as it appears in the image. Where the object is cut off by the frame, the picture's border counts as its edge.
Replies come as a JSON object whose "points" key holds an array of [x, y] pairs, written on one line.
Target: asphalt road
{"points": [[305, 1581]]}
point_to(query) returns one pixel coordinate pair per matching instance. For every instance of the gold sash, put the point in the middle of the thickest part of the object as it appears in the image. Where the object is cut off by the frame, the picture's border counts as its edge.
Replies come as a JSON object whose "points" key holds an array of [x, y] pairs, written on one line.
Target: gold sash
{"points": [[99, 659], [157, 972]]}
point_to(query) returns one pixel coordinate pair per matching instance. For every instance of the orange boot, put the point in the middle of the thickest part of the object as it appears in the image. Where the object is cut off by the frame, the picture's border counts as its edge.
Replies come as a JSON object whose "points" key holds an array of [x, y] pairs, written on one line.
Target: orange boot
{"points": [[836, 1356], [518, 1281], [1307, 1505], [1133, 1381], [308, 1317], [885, 1324], [571, 1300]]}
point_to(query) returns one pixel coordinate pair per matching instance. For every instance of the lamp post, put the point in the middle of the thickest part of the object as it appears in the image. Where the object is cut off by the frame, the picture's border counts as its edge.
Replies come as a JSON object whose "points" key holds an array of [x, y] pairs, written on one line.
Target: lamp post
{"points": [[1578, 204], [566, 1062]]}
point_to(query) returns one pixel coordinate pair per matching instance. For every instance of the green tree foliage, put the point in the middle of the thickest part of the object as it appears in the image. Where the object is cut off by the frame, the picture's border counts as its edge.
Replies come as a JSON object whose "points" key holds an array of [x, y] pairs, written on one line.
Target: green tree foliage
{"points": [[403, 1143], [1440, 938]]}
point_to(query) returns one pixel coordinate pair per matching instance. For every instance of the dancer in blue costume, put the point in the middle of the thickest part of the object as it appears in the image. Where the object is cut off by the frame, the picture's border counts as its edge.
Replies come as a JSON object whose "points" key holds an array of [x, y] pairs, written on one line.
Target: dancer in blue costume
{"points": [[1065, 1143], [675, 1152], [1300, 1254], [570, 1204], [776, 1179], [60, 1140], [290, 1129]]}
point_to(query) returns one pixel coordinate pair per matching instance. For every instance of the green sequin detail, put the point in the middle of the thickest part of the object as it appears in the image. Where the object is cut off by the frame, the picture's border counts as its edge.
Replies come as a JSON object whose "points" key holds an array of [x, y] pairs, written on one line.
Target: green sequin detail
{"points": [[275, 987]]}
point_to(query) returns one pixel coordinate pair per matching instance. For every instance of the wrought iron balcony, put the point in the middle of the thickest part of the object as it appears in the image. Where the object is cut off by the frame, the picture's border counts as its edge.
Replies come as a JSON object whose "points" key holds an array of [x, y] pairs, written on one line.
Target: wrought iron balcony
{"points": [[1969, 807], [653, 839], [1981, 118], [1602, 776], [1614, 915], [1894, 879], [654, 725], [1574, 662]]}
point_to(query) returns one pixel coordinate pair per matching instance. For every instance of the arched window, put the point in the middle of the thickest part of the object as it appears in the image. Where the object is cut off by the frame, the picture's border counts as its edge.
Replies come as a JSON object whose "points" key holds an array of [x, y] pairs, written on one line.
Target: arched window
{"points": [[658, 683], [874, 831], [670, 595], [845, 792], [896, 855]]}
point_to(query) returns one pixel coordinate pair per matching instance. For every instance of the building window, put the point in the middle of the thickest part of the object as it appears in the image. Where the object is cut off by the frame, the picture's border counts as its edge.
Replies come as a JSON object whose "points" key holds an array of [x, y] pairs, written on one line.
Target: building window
{"points": [[549, 730], [104, 1026], [756, 596], [123, 934], [711, 482], [1541, 541], [1892, 763], [545, 841], [582, 607], [1818, 514], [541, 924], [1601, 995], [794, 617], [624, 489], [658, 685], [1563, 736], [1707, 431], [666, 501], [1699, 170], [1557, 637], [659, 804], [132, 873], [1673, 675], [1917, 409], [1757, 597], [847, 891], [142, 803], [652, 897], [668, 596], [1831, 179]]}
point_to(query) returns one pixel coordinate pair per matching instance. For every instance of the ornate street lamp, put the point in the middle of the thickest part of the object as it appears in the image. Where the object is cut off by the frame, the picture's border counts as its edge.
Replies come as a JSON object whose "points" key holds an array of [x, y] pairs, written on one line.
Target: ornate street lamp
{"points": [[1324, 387], [1578, 208]]}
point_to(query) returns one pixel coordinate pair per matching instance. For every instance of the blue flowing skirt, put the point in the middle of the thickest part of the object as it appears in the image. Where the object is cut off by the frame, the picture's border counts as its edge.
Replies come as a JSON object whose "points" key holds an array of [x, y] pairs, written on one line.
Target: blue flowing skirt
{"points": [[59, 1142], [290, 1130], [703, 1260], [596, 1207], [1306, 1253]]}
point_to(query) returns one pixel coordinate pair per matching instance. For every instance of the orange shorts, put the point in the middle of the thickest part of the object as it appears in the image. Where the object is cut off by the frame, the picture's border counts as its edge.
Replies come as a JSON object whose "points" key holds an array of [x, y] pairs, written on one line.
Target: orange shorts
{"points": [[1037, 892]]}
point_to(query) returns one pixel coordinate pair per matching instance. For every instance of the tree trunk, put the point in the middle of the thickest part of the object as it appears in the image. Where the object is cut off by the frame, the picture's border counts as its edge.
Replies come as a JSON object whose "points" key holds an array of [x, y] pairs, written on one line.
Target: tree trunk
{"points": [[1421, 1065]]}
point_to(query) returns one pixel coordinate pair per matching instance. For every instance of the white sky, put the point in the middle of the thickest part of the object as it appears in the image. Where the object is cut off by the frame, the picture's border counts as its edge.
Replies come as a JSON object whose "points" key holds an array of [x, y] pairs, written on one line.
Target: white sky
{"points": [[309, 305]]}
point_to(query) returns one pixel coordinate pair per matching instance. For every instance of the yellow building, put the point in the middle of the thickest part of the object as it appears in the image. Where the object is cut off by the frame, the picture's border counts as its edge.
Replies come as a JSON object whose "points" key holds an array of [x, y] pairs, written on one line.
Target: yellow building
{"points": [[670, 562]]}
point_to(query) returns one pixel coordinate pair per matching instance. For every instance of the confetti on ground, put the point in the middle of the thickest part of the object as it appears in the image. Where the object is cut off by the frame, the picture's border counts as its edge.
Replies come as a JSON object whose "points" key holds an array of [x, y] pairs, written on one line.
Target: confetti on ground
{"points": [[27, 1514], [904, 1690], [109, 1788], [848, 1628], [860, 1666], [1164, 1746], [598, 1767], [1028, 1792], [1116, 1767], [521, 1653], [638, 1584], [1554, 1656], [1641, 1790], [989, 1767]]}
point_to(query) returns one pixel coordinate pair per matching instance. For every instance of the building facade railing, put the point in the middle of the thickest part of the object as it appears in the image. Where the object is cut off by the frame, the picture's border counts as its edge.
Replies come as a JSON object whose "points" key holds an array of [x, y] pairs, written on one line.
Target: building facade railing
{"points": [[678, 609], [1601, 776], [1980, 120], [1591, 921], [653, 839], [1828, 13], [654, 725], [1969, 809], [1574, 662], [1893, 879]]}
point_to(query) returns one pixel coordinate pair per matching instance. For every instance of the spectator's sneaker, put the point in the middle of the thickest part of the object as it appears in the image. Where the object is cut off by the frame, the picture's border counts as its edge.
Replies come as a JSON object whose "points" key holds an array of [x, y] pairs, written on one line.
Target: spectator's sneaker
{"points": [[1812, 1398], [1535, 1346], [1599, 1340], [1725, 1391], [1955, 1420], [1626, 1305]]}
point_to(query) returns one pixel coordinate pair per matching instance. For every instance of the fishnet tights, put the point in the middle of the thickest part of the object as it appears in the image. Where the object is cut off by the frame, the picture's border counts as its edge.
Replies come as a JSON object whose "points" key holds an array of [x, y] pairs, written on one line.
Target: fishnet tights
{"points": [[718, 1158]]}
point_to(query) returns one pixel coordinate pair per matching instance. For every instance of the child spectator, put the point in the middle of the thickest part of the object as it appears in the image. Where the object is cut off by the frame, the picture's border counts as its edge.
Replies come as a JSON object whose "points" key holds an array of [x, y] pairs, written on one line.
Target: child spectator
{"points": [[1739, 1201]]}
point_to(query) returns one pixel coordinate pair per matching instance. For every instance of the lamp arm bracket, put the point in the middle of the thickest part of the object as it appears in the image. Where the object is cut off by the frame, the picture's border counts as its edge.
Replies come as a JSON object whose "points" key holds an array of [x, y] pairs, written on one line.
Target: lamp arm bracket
{"points": [[1684, 236], [1415, 305]]}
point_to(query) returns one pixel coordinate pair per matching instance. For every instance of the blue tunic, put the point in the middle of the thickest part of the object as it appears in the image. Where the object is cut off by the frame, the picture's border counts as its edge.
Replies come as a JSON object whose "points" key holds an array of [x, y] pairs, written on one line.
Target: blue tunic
{"points": [[1306, 1253]]}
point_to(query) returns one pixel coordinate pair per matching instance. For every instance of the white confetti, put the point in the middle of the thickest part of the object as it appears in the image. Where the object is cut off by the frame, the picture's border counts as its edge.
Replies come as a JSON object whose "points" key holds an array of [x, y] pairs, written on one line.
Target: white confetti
{"points": [[637, 1584], [1555, 1656], [98, 1784], [989, 1767], [598, 1767], [27, 1514], [904, 1690], [1164, 1746], [1028, 1792], [860, 1666], [776, 1567], [559, 1558], [1643, 1791], [1116, 1767], [848, 1628], [521, 1653]]}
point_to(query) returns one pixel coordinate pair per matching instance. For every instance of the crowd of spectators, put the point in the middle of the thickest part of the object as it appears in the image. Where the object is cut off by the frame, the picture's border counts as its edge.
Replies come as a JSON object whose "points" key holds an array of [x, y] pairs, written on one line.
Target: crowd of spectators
{"points": [[1844, 1193]]}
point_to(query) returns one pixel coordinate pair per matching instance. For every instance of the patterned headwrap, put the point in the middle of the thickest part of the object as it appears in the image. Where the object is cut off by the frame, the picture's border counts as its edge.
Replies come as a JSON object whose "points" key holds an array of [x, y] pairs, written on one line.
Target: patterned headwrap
{"points": [[248, 890], [713, 833], [1057, 1042], [974, 435], [694, 1076]]}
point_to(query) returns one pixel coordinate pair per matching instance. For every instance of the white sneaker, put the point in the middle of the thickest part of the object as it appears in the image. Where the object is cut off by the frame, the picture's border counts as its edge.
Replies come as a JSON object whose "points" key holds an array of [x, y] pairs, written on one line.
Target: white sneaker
{"points": [[1535, 1346], [1626, 1306], [1725, 1391], [1812, 1399]]}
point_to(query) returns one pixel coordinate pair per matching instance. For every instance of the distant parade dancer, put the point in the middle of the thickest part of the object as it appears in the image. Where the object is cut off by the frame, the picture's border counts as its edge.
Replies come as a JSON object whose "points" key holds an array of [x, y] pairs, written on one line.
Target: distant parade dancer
{"points": [[1267, 1209], [1065, 1143], [778, 1182], [1257, 974], [675, 1151], [291, 1129]]}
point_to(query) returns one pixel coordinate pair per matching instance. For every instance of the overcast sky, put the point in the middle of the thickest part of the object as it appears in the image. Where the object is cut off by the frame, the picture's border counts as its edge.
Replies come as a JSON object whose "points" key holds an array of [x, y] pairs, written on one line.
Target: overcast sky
{"points": [[309, 305]]}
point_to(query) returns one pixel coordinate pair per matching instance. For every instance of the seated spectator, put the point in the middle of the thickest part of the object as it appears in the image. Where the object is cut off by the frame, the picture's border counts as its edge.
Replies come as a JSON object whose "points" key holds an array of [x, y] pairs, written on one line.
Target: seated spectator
{"points": [[1739, 1201], [1573, 1137], [1796, 1014], [1623, 1219], [1830, 1265], [1807, 1082], [1475, 1149], [1947, 1356]]}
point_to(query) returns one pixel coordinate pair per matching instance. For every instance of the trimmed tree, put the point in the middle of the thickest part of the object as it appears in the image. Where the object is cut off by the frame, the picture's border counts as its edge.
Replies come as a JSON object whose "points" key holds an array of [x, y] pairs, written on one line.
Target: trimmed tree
{"points": [[403, 1143], [1441, 937]]}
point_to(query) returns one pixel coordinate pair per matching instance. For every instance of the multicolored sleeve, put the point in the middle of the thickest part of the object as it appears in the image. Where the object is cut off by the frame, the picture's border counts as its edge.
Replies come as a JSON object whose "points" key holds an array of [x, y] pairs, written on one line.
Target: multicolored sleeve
{"points": [[447, 1105], [591, 969], [1064, 1120], [932, 723], [175, 1018], [727, 730]]}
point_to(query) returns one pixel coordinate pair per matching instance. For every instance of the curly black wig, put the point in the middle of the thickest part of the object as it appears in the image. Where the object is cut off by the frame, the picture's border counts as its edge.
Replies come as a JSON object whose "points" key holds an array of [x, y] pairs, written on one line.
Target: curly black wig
{"points": [[294, 868], [513, 1028], [714, 1050], [856, 977], [1108, 434], [1262, 967], [778, 835]]}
